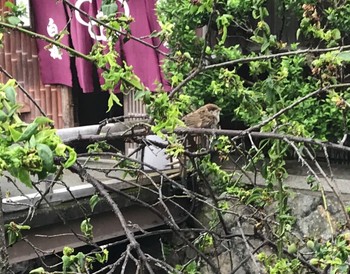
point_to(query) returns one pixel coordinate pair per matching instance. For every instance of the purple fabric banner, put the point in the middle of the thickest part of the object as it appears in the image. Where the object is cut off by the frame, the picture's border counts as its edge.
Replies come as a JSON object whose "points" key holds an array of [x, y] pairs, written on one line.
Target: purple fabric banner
{"points": [[82, 40], [85, 33], [50, 19], [144, 59]]}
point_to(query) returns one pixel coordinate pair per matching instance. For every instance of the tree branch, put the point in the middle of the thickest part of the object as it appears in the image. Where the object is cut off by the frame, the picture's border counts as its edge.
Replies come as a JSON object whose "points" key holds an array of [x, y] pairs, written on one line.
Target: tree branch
{"points": [[23, 90], [47, 39], [78, 169]]}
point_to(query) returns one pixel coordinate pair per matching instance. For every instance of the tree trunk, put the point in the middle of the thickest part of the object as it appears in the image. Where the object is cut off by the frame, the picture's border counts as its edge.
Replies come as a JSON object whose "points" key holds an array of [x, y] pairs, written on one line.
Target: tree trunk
{"points": [[4, 258]]}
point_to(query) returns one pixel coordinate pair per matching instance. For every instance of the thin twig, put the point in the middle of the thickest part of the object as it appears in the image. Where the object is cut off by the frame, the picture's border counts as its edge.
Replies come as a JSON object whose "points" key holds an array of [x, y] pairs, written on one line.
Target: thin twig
{"points": [[26, 93], [332, 184], [244, 60], [247, 244], [304, 162], [246, 259]]}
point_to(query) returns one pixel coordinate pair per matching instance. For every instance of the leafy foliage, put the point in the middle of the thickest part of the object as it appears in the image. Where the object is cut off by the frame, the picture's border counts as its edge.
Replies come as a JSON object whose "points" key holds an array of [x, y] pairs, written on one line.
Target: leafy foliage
{"points": [[13, 231], [15, 14], [249, 92], [28, 149], [276, 266], [253, 69], [332, 254]]}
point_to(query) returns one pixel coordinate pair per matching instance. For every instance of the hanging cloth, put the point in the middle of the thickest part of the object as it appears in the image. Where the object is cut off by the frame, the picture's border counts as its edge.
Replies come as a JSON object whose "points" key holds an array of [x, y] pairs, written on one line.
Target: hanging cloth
{"points": [[84, 33], [50, 20], [145, 60]]}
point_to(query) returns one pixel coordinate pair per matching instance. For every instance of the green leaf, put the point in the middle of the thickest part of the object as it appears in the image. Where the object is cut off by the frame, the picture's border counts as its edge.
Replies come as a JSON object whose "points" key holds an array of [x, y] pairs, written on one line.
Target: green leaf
{"points": [[81, 259], [86, 227], [144, 95], [99, 258], [46, 156], [110, 103], [111, 100], [68, 250], [344, 56], [135, 81], [43, 136], [15, 134], [233, 3], [298, 33], [103, 256], [30, 130], [23, 227], [93, 201], [109, 9], [139, 94], [23, 176], [114, 24], [66, 261], [13, 20], [12, 237], [60, 149], [336, 34], [10, 94], [265, 46], [255, 14], [13, 110], [32, 142], [3, 116], [42, 120], [39, 270], [71, 158], [9, 5]]}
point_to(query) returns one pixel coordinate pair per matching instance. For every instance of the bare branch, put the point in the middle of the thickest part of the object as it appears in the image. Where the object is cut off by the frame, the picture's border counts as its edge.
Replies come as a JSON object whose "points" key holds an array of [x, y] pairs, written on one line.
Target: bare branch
{"points": [[129, 234]]}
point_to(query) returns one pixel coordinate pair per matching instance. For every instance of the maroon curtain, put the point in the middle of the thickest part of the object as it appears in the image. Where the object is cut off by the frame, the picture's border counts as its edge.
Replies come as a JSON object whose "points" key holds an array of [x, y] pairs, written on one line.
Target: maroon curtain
{"points": [[50, 19], [84, 33]]}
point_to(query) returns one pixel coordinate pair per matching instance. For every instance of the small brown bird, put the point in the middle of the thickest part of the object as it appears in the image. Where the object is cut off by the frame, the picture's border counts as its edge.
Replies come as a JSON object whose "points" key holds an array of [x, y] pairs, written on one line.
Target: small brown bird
{"points": [[207, 116]]}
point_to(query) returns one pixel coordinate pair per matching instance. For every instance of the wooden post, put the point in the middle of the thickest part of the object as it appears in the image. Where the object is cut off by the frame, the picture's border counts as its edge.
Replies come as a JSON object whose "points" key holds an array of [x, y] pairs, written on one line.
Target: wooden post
{"points": [[67, 107]]}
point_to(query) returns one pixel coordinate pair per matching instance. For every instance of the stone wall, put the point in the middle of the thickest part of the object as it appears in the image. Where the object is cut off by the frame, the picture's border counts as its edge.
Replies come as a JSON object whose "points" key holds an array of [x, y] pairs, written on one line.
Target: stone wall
{"points": [[318, 217]]}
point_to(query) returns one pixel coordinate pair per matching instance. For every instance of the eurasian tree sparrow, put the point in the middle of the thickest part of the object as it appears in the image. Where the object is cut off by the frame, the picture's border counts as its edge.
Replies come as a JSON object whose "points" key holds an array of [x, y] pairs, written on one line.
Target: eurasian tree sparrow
{"points": [[207, 116]]}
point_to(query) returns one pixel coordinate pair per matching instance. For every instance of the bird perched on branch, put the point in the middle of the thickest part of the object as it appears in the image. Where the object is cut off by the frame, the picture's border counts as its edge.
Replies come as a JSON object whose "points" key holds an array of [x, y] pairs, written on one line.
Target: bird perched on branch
{"points": [[207, 116]]}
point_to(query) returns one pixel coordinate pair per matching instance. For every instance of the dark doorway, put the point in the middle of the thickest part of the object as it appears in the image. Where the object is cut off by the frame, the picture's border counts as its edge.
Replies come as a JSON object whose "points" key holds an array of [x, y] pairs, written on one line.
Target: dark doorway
{"points": [[91, 108]]}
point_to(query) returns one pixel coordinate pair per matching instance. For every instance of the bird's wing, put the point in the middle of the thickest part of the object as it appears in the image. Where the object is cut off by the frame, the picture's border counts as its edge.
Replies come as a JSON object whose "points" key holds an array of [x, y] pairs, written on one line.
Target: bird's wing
{"points": [[192, 120]]}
